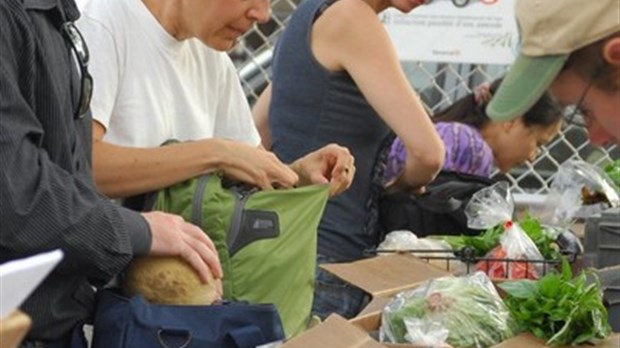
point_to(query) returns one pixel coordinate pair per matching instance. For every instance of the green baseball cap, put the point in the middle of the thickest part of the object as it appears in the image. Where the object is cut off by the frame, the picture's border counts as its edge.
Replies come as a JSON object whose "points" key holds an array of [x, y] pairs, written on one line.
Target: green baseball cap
{"points": [[550, 30], [525, 83]]}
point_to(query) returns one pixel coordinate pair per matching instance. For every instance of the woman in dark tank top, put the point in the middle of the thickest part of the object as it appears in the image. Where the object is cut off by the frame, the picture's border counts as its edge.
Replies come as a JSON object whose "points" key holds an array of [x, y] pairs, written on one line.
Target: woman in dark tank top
{"points": [[337, 79]]}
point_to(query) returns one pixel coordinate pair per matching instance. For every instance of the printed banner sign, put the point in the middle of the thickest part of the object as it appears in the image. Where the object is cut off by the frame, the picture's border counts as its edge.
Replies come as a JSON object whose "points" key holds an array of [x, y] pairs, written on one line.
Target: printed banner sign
{"points": [[481, 32]]}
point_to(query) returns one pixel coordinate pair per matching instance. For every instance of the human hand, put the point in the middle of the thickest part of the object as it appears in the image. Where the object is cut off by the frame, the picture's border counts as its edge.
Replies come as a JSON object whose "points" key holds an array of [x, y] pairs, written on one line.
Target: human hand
{"points": [[255, 166], [482, 93], [331, 164], [172, 236]]}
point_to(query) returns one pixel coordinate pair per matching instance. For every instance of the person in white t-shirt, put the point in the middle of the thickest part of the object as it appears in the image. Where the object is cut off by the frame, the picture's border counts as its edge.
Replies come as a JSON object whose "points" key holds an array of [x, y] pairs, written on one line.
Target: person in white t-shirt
{"points": [[160, 72]]}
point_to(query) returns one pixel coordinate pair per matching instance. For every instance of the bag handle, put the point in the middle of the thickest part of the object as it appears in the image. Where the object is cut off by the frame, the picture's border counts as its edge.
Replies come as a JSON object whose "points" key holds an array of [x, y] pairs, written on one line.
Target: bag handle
{"points": [[440, 198], [247, 337], [163, 333]]}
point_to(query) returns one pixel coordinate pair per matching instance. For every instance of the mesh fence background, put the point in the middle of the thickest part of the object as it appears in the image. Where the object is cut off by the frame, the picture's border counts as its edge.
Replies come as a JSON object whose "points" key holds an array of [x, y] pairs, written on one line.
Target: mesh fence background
{"points": [[439, 85]]}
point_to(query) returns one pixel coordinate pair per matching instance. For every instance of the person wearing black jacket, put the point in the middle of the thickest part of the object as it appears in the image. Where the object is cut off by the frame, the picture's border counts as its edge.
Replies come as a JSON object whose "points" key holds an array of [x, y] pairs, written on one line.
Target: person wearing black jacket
{"points": [[47, 196]]}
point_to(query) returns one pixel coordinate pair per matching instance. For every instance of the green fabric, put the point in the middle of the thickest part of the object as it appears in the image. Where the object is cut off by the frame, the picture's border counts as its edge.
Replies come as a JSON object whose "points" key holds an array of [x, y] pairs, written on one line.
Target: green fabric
{"points": [[525, 83], [277, 270]]}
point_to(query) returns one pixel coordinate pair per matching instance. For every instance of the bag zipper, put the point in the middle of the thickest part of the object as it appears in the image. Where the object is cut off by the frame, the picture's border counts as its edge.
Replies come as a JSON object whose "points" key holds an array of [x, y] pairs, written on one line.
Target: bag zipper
{"points": [[197, 201], [235, 225], [240, 200]]}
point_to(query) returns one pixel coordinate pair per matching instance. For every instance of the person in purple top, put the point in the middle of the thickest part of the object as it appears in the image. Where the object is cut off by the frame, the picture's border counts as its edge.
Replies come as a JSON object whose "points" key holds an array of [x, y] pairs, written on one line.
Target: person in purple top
{"points": [[474, 143]]}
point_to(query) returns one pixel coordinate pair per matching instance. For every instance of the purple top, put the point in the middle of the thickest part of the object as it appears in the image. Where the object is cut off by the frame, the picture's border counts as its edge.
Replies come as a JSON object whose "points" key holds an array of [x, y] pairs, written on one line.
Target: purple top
{"points": [[466, 151]]}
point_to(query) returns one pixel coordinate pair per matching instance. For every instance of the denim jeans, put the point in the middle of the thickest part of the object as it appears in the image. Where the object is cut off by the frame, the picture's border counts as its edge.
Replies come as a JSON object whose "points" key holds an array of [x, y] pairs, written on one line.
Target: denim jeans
{"points": [[332, 295]]}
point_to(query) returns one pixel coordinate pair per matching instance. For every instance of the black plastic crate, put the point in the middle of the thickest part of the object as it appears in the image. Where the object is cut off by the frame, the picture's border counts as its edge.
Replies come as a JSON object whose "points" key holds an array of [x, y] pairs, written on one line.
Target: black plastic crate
{"points": [[602, 239], [610, 281]]}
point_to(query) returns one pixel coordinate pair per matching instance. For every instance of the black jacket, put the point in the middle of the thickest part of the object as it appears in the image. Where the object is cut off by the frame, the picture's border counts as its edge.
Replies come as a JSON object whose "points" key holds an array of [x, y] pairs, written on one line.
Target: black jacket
{"points": [[47, 197]]}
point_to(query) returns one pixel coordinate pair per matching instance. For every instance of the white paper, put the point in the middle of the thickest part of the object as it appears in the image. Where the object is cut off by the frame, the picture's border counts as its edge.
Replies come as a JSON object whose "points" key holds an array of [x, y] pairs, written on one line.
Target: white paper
{"points": [[19, 278]]}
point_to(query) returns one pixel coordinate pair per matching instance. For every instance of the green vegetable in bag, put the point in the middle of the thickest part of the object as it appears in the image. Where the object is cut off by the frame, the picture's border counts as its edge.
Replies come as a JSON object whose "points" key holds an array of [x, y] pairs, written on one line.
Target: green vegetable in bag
{"points": [[468, 307], [613, 172]]}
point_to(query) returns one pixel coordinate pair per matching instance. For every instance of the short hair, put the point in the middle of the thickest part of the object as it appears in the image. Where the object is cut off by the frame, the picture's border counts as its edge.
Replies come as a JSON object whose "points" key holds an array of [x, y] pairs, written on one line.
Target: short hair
{"points": [[588, 62]]}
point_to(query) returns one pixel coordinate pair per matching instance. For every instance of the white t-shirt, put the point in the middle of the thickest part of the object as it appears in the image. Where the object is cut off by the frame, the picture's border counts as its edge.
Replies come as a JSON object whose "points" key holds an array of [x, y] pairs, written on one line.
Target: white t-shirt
{"points": [[150, 87]]}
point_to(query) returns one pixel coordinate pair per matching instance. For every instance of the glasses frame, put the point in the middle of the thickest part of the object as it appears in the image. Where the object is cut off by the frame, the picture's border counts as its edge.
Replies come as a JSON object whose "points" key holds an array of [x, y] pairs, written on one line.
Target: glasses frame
{"points": [[578, 116], [78, 45]]}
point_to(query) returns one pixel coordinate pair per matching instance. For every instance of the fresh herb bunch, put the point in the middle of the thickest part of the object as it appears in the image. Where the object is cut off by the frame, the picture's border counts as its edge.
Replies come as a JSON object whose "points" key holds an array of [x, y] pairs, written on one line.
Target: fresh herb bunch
{"points": [[559, 308]]}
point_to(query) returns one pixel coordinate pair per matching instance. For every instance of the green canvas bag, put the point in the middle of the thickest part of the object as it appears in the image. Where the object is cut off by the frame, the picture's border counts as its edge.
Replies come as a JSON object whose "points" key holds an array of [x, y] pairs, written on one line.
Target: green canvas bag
{"points": [[266, 239]]}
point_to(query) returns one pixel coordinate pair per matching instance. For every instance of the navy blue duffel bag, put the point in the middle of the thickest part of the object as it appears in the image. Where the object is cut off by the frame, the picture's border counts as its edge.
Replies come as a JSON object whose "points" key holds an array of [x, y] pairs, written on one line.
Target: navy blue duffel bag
{"points": [[134, 323]]}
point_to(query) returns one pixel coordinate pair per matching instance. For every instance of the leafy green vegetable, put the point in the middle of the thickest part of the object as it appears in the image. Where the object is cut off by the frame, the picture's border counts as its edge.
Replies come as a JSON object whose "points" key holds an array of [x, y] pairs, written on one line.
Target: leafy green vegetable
{"points": [[613, 172], [468, 307], [489, 239], [481, 244], [543, 240], [561, 309]]}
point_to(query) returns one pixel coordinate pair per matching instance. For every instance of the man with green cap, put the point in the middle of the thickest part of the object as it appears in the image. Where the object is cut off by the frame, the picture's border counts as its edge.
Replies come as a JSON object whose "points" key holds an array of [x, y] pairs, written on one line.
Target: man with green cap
{"points": [[572, 49]]}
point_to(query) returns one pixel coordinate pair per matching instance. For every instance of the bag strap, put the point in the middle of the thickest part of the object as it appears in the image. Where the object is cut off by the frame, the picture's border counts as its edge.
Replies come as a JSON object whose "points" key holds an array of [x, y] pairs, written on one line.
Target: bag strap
{"points": [[247, 337]]}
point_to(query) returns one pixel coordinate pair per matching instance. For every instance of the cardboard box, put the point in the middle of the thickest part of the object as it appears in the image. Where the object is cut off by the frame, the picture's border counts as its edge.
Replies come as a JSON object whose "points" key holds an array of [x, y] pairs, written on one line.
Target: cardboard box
{"points": [[13, 329], [384, 276], [334, 332], [381, 277], [372, 323], [528, 340]]}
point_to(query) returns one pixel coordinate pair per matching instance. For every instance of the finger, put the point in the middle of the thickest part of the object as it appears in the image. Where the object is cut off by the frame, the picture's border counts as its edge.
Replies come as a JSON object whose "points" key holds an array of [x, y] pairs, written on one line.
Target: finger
{"points": [[194, 260], [336, 187], [205, 248], [213, 261], [219, 291], [284, 177], [264, 184], [345, 172], [197, 233]]}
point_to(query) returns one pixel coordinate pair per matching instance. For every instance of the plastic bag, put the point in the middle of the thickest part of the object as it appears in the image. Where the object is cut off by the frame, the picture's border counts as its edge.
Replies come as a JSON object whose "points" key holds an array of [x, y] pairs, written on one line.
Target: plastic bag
{"points": [[426, 333], [573, 193], [407, 240], [436, 252], [490, 207], [468, 307]]}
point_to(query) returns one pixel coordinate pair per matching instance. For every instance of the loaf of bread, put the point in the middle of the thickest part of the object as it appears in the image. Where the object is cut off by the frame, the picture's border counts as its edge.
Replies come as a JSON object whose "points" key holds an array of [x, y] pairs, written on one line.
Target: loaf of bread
{"points": [[168, 280]]}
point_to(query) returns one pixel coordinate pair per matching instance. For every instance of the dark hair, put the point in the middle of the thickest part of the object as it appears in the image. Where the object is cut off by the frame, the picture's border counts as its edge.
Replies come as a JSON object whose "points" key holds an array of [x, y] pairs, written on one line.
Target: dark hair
{"points": [[545, 112], [588, 62]]}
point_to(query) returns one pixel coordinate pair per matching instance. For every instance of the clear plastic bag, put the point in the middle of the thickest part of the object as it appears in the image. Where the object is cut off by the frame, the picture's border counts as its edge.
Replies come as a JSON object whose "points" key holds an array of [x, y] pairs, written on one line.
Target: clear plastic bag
{"points": [[406, 240], [490, 207], [467, 308], [574, 181], [436, 252]]}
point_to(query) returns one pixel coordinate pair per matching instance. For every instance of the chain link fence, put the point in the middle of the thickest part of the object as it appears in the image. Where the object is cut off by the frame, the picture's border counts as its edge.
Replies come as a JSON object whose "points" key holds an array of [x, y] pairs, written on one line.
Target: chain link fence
{"points": [[439, 85]]}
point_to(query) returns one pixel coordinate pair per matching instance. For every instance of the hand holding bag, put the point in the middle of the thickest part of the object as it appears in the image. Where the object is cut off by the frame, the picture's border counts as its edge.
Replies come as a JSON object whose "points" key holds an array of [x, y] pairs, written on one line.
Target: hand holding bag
{"points": [[133, 323]]}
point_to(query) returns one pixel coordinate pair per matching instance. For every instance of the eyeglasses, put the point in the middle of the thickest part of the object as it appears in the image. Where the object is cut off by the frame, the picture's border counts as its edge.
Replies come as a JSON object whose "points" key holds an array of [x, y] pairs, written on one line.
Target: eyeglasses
{"points": [[72, 34], [575, 114]]}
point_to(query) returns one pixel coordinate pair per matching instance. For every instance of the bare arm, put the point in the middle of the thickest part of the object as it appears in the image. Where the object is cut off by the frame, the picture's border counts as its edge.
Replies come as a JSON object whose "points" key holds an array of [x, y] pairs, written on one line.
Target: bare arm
{"points": [[260, 111], [349, 36], [124, 171]]}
